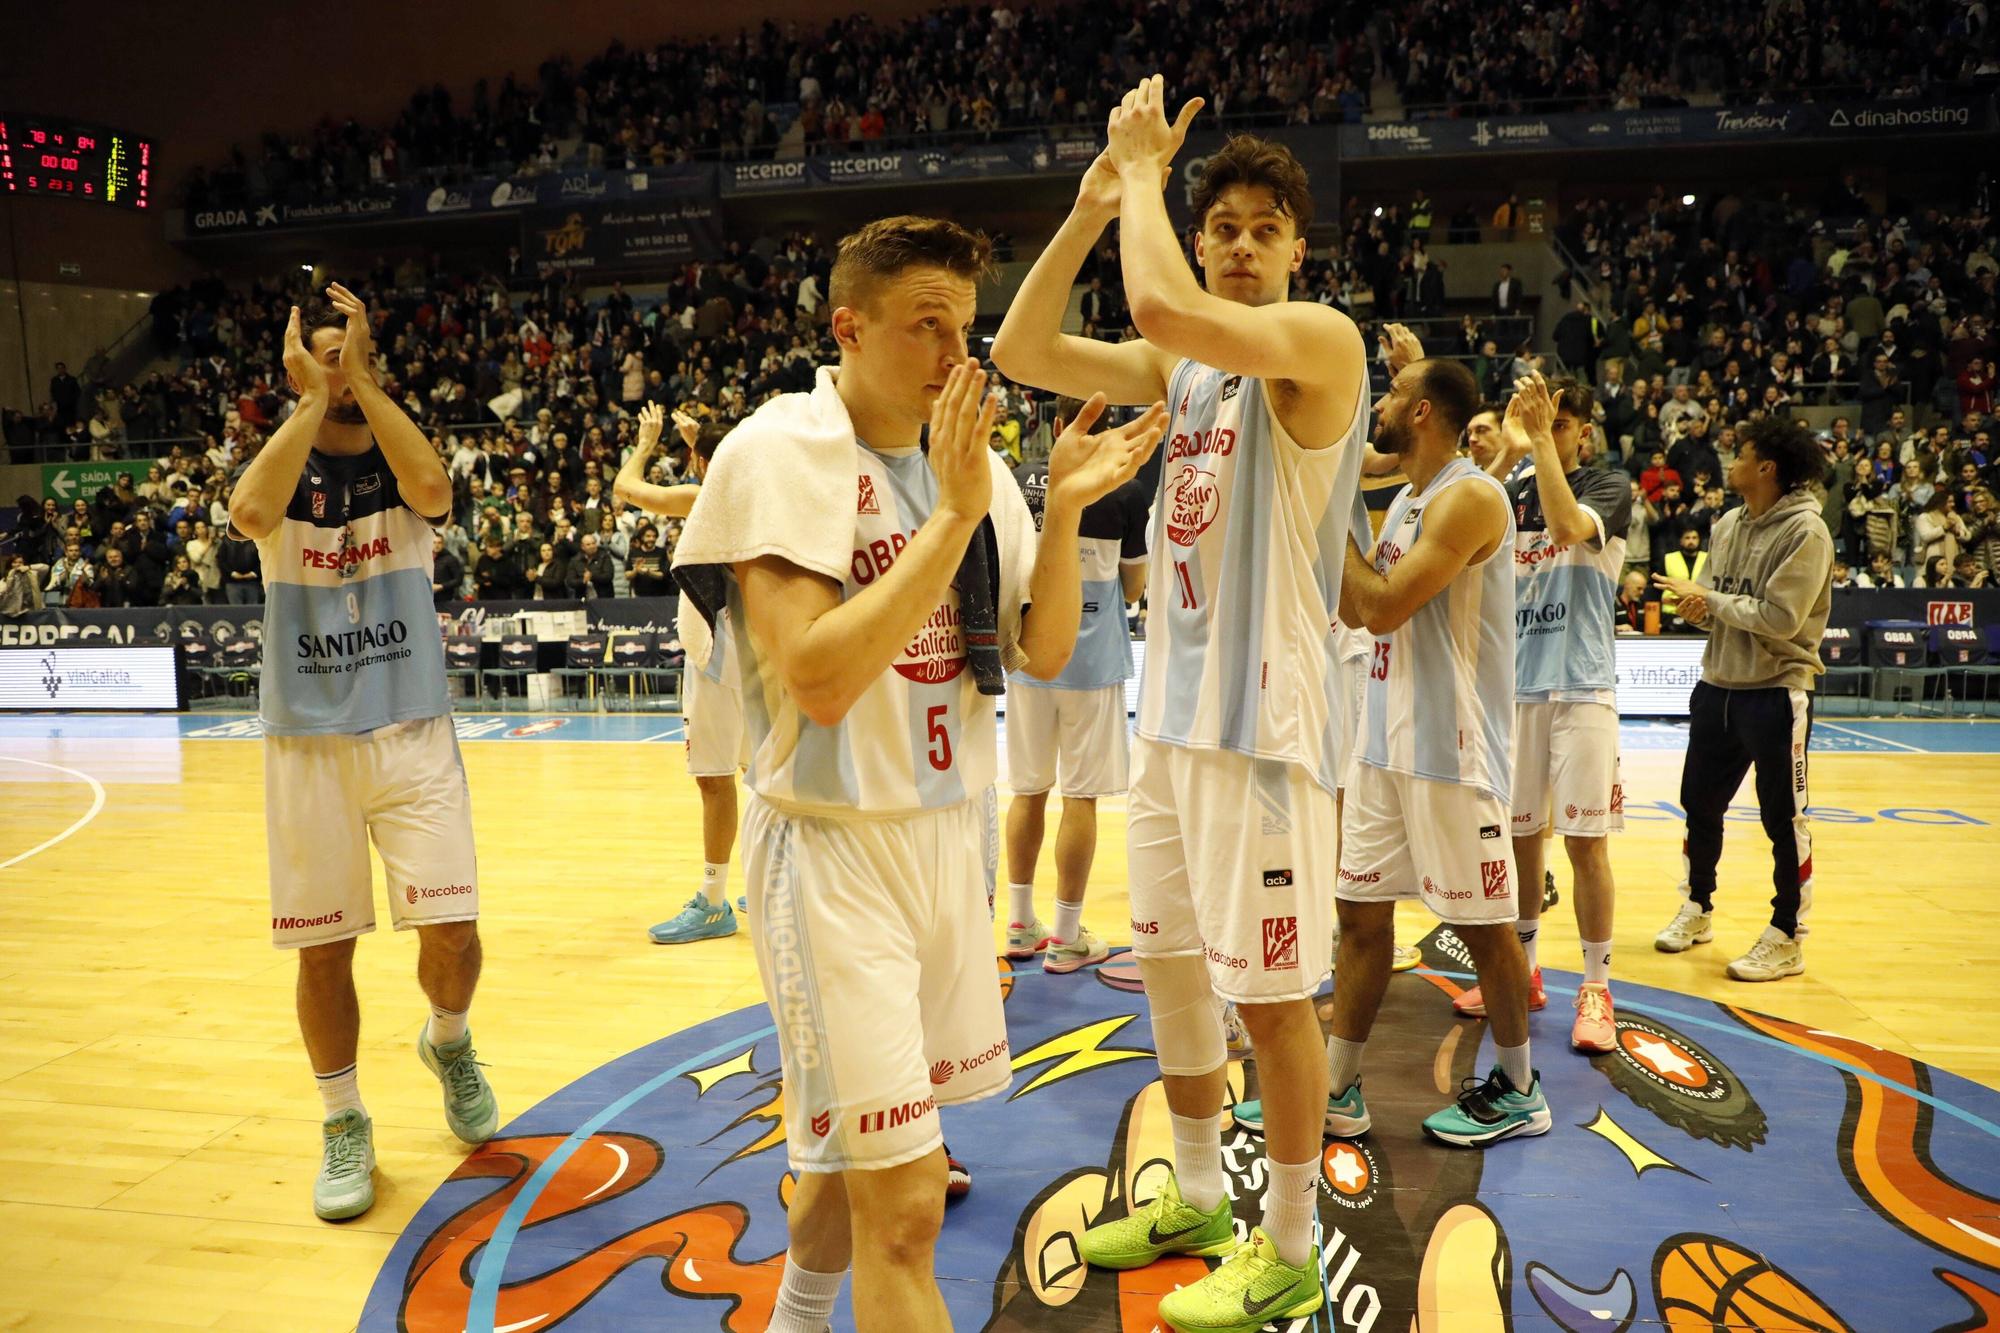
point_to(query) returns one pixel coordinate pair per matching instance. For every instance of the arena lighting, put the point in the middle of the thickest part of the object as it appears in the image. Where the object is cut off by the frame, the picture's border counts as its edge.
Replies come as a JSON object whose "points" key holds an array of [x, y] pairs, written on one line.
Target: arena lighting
{"points": [[1687, 201], [1378, 210], [305, 268]]}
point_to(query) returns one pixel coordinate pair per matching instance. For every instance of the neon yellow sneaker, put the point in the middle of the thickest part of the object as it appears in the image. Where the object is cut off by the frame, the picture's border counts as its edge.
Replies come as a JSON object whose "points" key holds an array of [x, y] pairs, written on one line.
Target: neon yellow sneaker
{"points": [[1165, 1226], [1252, 1288]]}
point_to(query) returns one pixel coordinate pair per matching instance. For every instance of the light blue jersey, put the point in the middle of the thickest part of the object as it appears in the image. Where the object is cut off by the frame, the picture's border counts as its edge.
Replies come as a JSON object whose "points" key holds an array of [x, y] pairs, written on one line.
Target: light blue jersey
{"points": [[1250, 533], [1565, 618], [351, 639], [1111, 533], [1439, 702]]}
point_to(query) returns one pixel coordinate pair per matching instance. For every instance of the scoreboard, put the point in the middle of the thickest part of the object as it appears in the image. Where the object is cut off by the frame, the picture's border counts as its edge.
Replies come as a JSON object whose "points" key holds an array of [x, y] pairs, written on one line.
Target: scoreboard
{"points": [[77, 161]]}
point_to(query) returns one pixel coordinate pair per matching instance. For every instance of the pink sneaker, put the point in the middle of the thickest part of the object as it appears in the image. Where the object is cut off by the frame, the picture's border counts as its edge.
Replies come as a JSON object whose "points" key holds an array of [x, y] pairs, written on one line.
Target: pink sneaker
{"points": [[1594, 1030], [1473, 1005]]}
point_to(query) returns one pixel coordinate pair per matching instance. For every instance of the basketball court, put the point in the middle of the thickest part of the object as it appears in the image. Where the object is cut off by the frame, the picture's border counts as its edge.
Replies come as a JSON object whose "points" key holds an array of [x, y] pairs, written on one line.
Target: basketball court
{"points": [[1822, 1152]]}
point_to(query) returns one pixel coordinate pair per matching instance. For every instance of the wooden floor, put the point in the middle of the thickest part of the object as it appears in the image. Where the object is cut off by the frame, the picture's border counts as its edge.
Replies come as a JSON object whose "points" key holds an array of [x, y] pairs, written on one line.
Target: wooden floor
{"points": [[159, 1128]]}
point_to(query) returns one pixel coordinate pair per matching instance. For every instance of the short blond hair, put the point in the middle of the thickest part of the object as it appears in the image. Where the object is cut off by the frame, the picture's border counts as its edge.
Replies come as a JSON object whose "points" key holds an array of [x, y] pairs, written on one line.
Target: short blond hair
{"points": [[888, 247]]}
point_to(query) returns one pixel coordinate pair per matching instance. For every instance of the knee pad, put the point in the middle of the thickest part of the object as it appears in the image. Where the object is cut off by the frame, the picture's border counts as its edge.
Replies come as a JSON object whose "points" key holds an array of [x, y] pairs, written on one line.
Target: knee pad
{"points": [[1187, 1017]]}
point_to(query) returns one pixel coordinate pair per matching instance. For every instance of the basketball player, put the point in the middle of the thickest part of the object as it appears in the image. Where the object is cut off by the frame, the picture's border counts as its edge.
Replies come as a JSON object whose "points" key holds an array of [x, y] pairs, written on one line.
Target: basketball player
{"points": [[1764, 599], [858, 573], [710, 700], [1073, 727], [1231, 828], [358, 741], [1569, 553], [1427, 800]]}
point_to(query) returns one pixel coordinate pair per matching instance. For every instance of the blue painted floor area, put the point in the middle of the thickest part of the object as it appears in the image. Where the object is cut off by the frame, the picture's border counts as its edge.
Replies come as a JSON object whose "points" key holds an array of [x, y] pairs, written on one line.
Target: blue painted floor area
{"points": [[1844, 736], [1715, 1165]]}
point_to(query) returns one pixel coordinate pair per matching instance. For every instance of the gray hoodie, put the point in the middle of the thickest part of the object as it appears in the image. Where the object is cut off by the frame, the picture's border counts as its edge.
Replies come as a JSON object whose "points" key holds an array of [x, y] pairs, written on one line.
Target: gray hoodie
{"points": [[1772, 585]]}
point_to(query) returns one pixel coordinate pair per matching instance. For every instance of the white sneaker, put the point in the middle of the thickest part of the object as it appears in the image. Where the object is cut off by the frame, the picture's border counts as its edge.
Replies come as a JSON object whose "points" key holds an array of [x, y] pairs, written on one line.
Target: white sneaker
{"points": [[1025, 941], [1690, 926], [1774, 955]]}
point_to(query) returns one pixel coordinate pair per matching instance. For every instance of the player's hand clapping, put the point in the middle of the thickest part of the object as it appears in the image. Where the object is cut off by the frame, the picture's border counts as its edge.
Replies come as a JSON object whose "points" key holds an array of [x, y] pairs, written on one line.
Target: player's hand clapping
{"points": [[1401, 346], [1531, 415], [307, 374], [652, 420], [1142, 142], [961, 423], [357, 351], [1084, 468]]}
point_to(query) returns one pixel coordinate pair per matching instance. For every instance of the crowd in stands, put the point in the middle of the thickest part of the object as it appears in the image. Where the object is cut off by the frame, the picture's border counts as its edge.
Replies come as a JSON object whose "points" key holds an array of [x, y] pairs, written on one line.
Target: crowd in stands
{"points": [[973, 72], [1690, 321]]}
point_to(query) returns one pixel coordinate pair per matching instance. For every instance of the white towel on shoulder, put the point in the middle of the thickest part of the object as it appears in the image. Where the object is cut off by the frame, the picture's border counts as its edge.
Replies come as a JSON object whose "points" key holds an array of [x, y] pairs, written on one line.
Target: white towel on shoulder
{"points": [[783, 483]]}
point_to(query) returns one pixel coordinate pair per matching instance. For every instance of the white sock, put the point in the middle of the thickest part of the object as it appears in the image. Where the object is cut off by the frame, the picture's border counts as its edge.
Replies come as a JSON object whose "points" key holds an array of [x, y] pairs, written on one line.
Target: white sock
{"points": [[1291, 1202], [1069, 919], [1022, 896], [340, 1091], [1343, 1064], [715, 883], [445, 1026], [1514, 1063], [1198, 1159], [805, 1300], [1527, 932], [1597, 960]]}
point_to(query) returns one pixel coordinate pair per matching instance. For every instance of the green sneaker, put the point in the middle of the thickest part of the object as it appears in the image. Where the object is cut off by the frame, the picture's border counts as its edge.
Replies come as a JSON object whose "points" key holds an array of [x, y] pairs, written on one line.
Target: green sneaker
{"points": [[469, 1105], [345, 1186], [1346, 1115], [1490, 1111], [1252, 1288], [1164, 1226]]}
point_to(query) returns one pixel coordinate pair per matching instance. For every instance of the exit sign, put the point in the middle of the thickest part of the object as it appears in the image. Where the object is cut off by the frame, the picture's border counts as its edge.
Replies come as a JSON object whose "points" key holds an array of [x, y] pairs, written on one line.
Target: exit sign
{"points": [[69, 269]]}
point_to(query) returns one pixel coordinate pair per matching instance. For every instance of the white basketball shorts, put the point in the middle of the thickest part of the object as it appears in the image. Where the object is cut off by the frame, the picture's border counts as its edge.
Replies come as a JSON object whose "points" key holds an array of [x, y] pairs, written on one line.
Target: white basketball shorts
{"points": [[1079, 735], [1403, 836], [1566, 769], [876, 953], [327, 797], [714, 719], [1230, 858]]}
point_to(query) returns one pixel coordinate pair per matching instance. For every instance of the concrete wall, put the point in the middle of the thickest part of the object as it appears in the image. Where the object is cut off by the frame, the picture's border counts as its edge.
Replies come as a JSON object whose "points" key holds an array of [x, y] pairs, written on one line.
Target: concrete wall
{"points": [[63, 322]]}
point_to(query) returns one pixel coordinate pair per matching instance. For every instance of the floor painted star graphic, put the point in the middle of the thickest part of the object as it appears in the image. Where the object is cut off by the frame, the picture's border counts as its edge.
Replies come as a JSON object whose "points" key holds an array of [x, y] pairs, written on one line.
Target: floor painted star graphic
{"points": [[1663, 1057], [1348, 1170]]}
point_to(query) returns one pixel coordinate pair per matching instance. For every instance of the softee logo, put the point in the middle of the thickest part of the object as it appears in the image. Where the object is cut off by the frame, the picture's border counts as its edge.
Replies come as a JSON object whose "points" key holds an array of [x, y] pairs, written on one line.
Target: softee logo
{"points": [[1934, 817]]}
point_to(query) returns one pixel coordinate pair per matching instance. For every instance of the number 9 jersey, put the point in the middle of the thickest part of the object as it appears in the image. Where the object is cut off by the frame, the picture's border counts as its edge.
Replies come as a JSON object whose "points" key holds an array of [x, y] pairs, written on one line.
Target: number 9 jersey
{"points": [[351, 641]]}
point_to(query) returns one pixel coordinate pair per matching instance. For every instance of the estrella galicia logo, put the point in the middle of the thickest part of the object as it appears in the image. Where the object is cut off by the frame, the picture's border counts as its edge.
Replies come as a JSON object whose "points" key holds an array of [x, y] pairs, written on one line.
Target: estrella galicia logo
{"points": [[51, 676], [1680, 1081]]}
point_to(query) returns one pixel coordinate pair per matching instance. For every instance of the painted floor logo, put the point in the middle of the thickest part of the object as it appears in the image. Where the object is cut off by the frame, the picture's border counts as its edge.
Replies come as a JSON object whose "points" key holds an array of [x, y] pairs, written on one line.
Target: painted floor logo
{"points": [[1718, 1169]]}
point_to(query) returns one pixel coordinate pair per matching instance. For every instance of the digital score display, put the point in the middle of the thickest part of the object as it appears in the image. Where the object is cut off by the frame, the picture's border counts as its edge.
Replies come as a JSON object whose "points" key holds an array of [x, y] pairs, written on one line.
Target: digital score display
{"points": [[76, 161]]}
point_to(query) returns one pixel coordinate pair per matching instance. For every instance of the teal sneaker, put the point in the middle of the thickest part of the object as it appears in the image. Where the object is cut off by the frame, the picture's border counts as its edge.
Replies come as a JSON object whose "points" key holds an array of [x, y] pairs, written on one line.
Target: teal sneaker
{"points": [[1346, 1115], [470, 1107], [743, 903], [1165, 1226], [1490, 1111], [1252, 1288], [696, 921], [345, 1186]]}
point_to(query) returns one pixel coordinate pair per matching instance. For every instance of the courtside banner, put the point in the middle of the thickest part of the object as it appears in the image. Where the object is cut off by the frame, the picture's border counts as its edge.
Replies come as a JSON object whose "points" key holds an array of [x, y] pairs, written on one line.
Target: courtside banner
{"points": [[90, 679]]}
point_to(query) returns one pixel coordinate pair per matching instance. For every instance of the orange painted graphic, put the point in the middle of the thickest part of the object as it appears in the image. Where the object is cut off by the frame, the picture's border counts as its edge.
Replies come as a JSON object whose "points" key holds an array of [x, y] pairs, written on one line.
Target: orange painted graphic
{"points": [[698, 1243]]}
